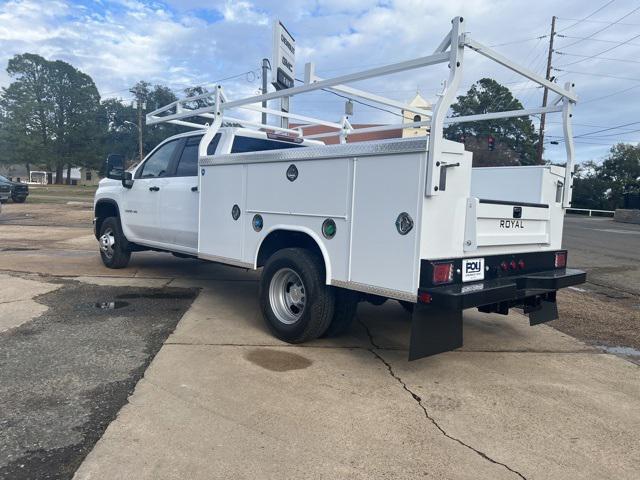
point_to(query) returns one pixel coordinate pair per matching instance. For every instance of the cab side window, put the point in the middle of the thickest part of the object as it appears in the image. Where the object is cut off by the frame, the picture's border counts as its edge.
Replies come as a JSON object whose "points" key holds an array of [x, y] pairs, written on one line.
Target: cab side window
{"points": [[158, 164], [188, 163]]}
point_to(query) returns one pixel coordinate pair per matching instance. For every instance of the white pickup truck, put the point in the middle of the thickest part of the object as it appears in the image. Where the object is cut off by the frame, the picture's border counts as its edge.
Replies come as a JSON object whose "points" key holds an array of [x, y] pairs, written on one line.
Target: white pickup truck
{"points": [[406, 219]]}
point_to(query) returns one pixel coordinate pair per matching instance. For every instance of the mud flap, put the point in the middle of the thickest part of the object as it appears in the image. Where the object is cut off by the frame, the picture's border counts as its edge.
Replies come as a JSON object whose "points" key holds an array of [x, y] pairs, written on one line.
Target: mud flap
{"points": [[548, 311], [434, 330]]}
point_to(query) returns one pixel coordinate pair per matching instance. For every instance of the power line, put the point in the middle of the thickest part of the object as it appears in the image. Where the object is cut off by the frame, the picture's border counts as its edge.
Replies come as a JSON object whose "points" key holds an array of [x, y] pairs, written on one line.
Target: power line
{"points": [[600, 53], [174, 89], [598, 21], [617, 127], [589, 100], [626, 60], [356, 101], [597, 40], [606, 26], [588, 16], [597, 74], [519, 41]]}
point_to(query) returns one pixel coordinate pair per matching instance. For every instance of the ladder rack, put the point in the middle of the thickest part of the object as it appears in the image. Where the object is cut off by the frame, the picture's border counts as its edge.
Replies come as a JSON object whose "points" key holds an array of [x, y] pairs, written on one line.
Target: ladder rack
{"points": [[450, 50]]}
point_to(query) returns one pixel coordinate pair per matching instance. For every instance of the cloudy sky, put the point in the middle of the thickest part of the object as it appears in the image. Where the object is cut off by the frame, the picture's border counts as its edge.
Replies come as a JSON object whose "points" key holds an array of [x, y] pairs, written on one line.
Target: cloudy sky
{"points": [[192, 42]]}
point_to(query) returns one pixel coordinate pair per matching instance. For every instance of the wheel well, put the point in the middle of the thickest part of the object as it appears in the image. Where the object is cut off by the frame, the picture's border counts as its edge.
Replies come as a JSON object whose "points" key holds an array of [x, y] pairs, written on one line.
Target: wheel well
{"points": [[105, 209], [280, 239]]}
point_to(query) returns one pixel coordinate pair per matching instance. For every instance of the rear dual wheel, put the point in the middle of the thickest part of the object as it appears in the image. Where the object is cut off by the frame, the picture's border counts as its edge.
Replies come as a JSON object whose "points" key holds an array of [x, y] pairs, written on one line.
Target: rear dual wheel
{"points": [[296, 303]]}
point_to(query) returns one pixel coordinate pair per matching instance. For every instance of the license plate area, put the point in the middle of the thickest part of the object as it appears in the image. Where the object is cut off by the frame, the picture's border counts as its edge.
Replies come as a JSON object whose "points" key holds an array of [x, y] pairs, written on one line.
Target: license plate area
{"points": [[472, 269]]}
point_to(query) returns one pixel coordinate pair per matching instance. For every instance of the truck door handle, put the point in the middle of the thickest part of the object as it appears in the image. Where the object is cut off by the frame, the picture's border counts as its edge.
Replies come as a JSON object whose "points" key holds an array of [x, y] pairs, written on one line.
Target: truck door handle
{"points": [[154, 189], [194, 189]]}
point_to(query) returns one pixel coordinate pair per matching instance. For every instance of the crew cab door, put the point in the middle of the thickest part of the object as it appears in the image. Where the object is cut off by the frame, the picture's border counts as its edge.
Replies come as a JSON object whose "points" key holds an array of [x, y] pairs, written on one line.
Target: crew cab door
{"points": [[180, 196], [141, 220]]}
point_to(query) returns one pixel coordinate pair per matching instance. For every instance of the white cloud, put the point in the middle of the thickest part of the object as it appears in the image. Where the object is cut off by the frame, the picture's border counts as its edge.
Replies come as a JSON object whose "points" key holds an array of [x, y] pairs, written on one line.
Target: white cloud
{"points": [[181, 42]]}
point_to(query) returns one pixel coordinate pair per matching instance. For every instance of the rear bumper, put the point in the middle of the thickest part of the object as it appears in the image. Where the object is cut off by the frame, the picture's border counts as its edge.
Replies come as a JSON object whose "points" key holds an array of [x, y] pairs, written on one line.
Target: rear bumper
{"points": [[477, 294], [436, 325]]}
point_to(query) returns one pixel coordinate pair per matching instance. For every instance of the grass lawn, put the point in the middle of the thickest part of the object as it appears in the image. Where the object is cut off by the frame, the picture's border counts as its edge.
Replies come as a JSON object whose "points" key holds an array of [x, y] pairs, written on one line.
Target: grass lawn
{"points": [[60, 193]]}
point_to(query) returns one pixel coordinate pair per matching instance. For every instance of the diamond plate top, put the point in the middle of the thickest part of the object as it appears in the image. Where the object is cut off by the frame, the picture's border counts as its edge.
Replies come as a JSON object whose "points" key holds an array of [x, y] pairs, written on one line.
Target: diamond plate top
{"points": [[359, 149]]}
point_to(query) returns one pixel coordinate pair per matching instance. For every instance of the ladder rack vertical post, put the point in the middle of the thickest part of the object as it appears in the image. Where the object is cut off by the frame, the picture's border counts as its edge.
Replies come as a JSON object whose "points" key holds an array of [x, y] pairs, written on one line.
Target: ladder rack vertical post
{"points": [[567, 126], [436, 139]]}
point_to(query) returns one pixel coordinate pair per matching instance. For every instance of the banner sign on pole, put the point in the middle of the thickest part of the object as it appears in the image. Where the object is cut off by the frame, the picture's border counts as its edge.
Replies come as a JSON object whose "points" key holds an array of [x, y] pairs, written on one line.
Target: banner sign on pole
{"points": [[284, 57]]}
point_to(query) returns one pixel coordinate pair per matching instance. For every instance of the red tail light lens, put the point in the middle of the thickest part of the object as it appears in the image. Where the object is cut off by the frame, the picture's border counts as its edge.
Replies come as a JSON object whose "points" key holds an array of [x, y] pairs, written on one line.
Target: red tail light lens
{"points": [[521, 264], [513, 265], [504, 266], [561, 259], [442, 273], [424, 297]]}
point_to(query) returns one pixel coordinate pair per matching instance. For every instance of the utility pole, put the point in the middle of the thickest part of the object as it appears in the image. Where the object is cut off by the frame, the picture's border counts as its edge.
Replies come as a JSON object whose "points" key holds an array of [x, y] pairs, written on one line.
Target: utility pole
{"points": [[140, 106], [265, 68], [140, 91], [546, 90]]}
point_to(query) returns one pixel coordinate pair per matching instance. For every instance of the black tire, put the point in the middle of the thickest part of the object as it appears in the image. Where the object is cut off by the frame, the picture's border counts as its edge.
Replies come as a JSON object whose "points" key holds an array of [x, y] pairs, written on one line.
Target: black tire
{"points": [[313, 319], [118, 256], [18, 199], [344, 312]]}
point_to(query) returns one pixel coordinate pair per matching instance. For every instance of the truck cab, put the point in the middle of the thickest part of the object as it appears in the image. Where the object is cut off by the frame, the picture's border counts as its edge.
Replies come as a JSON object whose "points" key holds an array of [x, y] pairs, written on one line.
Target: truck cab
{"points": [[159, 208]]}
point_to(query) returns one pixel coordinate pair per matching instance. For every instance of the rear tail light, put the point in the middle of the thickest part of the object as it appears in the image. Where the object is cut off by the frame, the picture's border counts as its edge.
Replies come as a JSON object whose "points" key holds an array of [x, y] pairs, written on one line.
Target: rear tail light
{"points": [[513, 265], [504, 266], [442, 273], [424, 297], [521, 264], [561, 259]]}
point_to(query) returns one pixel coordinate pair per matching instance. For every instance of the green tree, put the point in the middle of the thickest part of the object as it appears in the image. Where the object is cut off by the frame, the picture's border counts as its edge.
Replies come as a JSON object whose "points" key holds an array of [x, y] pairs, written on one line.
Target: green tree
{"points": [[51, 115], [516, 138], [602, 186]]}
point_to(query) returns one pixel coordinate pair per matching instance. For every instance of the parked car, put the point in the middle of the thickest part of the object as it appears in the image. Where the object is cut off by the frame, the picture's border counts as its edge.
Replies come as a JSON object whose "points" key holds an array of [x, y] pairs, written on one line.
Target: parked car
{"points": [[18, 191], [5, 192]]}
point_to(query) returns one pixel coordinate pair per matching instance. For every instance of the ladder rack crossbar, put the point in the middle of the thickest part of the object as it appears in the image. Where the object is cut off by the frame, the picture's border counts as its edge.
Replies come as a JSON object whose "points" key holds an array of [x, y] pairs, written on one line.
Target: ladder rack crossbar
{"points": [[450, 50]]}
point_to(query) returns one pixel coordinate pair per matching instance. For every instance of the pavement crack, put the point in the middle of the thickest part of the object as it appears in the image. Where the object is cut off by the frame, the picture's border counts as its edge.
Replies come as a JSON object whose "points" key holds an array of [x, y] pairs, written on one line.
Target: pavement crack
{"points": [[418, 400]]}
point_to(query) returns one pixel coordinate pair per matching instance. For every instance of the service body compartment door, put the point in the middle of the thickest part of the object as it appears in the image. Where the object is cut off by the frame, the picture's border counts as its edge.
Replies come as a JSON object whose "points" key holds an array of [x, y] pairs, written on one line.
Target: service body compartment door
{"points": [[220, 233], [383, 253]]}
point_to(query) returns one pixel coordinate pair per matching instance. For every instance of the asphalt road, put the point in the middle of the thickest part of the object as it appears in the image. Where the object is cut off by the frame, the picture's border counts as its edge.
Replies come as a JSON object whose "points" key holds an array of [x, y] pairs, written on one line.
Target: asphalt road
{"points": [[609, 251], [65, 374]]}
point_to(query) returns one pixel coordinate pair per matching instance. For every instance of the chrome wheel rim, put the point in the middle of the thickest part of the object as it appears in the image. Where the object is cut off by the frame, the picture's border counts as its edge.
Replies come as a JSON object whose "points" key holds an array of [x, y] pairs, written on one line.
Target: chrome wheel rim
{"points": [[287, 296], [107, 242]]}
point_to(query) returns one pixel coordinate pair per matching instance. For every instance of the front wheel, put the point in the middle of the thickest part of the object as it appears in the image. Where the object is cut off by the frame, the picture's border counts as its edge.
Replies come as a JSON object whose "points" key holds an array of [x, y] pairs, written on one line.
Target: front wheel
{"points": [[18, 199], [113, 252], [296, 304]]}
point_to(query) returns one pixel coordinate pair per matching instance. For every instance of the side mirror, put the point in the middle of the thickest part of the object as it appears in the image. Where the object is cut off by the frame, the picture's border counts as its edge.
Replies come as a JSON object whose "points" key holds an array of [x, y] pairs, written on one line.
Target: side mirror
{"points": [[127, 180], [115, 166]]}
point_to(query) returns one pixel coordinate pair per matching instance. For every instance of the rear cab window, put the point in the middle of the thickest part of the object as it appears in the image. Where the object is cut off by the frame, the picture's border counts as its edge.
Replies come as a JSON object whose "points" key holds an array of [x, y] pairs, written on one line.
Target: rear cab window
{"points": [[188, 162], [250, 144]]}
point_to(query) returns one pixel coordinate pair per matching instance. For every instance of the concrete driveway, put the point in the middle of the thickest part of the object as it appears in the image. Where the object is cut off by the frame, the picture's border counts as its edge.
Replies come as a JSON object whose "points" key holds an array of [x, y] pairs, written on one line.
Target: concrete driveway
{"points": [[224, 399]]}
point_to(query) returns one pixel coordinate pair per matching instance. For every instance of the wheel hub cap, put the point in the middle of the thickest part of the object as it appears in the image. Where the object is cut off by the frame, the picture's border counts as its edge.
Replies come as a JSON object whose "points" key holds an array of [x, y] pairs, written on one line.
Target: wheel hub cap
{"points": [[107, 241], [287, 296]]}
